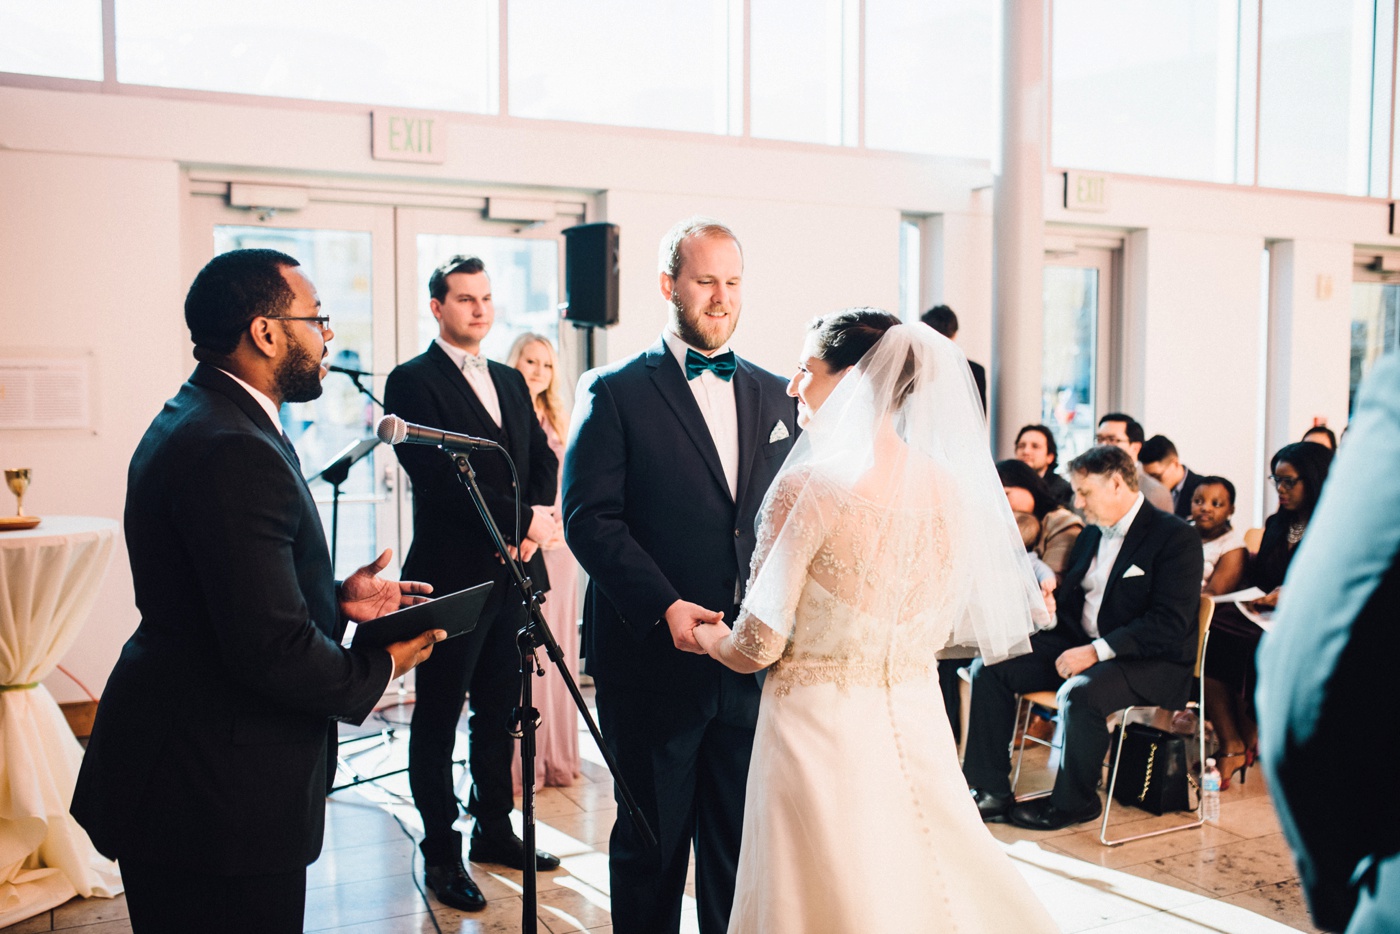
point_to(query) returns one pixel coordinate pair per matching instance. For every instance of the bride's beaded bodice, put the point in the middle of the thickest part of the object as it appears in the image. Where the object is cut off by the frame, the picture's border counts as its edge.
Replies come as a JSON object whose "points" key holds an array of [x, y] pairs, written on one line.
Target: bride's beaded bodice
{"points": [[863, 593]]}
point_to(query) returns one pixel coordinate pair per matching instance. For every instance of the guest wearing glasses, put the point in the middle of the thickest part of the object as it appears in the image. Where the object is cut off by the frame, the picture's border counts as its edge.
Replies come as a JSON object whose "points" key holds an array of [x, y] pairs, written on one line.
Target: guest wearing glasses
{"points": [[1298, 472], [1124, 431]]}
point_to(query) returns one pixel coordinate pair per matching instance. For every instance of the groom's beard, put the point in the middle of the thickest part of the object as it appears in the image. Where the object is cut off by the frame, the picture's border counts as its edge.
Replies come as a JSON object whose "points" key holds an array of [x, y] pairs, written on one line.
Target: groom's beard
{"points": [[701, 332]]}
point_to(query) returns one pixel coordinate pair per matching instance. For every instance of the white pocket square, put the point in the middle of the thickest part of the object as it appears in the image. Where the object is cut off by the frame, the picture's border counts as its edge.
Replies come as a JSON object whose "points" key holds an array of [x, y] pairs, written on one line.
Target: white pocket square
{"points": [[780, 432], [1133, 571]]}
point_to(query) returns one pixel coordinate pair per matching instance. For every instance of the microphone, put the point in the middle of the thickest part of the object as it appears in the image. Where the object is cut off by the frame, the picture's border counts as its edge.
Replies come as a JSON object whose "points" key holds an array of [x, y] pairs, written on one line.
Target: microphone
{"points": [[394, 430], [347, 371]]}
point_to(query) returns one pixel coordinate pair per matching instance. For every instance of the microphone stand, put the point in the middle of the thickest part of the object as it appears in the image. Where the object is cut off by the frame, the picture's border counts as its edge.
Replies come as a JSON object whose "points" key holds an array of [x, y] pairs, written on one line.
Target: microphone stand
{"points": [[525, 718], [335, 473]]}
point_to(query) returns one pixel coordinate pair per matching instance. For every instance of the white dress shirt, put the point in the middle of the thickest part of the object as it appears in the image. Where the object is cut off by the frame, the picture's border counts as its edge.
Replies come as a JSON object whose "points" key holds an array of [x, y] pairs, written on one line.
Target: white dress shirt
{"points": [[1096, 578], [478, 380], [260, 398], [716, 400]]}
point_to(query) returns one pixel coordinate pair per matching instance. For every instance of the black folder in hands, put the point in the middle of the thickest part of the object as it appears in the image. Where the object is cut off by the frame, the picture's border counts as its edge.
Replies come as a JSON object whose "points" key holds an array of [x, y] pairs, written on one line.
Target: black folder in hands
{"points": [[457, 613]]}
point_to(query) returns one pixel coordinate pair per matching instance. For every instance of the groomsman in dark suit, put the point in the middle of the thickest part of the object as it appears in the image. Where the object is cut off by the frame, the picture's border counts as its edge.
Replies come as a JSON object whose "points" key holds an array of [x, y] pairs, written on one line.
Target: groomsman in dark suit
{"points": [[206, 771], [453, 387], [1323, 667], [673, 451], [1125, 634]]}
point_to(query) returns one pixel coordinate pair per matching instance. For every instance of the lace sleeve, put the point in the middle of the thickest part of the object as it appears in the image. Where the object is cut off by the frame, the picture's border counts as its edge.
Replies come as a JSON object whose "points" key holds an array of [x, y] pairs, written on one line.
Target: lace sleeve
{"points": [[790, 530]]}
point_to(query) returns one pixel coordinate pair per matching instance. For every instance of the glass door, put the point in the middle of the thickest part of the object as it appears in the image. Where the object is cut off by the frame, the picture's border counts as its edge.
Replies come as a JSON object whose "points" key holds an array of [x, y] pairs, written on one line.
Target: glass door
{"points": [[346, 251], [1078, 289]]}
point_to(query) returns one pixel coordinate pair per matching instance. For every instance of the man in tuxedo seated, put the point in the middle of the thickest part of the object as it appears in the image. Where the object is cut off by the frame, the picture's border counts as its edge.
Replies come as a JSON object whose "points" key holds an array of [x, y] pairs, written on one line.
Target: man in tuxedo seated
{"points": [[1161, 462], [1125, 634]]}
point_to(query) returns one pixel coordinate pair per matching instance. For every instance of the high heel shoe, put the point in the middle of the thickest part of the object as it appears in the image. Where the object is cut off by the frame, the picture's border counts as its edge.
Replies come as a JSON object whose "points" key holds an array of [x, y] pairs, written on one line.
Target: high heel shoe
{"points": [[1227, 773]]}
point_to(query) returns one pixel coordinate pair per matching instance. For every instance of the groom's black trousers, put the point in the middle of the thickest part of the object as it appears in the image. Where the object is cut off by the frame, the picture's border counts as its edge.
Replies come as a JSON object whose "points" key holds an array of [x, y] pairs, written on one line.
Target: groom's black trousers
{"points": [[1086, 701], [686, 760]]}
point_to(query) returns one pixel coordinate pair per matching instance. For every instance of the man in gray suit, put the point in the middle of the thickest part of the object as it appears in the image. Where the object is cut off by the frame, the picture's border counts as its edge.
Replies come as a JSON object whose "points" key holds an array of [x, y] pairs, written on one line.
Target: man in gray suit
{"points": [[1333, 645]]}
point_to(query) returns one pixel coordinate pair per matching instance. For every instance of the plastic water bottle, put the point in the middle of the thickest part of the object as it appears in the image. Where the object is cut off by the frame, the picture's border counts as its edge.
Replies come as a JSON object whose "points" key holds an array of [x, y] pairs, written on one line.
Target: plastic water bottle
{"points": [[1210, 792]]}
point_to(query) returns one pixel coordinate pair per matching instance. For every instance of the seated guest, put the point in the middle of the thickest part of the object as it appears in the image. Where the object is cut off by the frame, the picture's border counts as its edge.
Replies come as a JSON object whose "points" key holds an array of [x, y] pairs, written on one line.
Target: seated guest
{"points": [[1123, 431], [1036, 448], [1222, 542], [1321, 434], [1125, 634], [1299, 471], [1160, 462], [1058, 526]]}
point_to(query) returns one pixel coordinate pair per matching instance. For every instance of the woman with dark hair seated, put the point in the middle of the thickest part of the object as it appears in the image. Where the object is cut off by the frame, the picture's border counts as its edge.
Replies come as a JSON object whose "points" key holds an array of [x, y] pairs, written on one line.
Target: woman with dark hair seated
{"points": [[1299, 471], [1059, 527]]}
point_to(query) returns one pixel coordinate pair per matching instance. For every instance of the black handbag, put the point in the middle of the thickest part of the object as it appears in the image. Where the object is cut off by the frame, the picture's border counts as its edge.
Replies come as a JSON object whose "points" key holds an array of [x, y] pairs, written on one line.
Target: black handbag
{"points": [[1152, 771]]}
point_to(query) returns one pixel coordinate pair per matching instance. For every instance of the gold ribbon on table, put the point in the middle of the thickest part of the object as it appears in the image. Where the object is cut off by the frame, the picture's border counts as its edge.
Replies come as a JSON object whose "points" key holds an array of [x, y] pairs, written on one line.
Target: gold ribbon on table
{"points": [[18, 687]]}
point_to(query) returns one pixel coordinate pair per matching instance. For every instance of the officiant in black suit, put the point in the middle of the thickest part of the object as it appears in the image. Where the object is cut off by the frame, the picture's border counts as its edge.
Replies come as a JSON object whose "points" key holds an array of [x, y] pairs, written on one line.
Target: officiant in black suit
{"points": [[1125, 634], [452, 386], [205, 773], [673, 451]]}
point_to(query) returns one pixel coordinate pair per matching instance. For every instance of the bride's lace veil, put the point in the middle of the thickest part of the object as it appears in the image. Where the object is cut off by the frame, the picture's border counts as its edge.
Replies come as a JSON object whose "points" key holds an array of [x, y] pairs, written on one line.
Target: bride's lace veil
{"points": [[903, 437]]}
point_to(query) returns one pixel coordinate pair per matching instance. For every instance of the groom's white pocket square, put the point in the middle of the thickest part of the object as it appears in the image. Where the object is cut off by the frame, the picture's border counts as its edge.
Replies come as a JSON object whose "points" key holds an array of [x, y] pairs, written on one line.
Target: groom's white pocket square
{"points": [[780, 432], [1133, 571]]}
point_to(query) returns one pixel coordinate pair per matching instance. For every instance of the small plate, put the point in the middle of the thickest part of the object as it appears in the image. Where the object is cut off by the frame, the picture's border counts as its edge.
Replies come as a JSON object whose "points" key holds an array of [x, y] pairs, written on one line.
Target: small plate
{"points": [[18, 523]]}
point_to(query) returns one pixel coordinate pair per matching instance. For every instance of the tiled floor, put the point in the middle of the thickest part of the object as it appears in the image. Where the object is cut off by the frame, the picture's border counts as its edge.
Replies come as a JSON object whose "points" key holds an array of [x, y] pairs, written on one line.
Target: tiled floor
{"points": [[1235, 875]]}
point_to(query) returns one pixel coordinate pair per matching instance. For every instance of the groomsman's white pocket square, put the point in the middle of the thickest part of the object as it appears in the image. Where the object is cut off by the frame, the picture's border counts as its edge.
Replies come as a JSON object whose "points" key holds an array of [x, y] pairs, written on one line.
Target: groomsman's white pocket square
{"points": [[780, 432], [1133, 571]]}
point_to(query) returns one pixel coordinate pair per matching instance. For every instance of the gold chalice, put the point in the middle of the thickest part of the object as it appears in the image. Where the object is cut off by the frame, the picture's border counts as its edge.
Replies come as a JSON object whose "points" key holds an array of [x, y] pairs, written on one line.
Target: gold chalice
{"points": [[18, 481]]}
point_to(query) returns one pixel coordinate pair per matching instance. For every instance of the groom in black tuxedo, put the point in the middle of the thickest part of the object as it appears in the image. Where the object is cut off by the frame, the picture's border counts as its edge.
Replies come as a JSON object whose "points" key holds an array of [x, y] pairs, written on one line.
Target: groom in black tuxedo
{"points": [[454, 387], [1125, 634], [673, 451]]}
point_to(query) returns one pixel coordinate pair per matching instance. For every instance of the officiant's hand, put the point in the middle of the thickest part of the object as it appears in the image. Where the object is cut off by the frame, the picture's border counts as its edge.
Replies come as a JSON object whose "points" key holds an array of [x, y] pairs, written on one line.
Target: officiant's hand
{"points": [[682, 617], [365, 595]]}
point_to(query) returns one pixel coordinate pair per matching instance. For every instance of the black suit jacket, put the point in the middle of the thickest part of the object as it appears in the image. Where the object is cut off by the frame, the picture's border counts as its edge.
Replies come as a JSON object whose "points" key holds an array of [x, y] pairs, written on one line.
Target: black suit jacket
{"points": [[1188, 489], [209, 748], [1325, 669], [979, 376], [1151, 615], [451, 548], [648, 513]]}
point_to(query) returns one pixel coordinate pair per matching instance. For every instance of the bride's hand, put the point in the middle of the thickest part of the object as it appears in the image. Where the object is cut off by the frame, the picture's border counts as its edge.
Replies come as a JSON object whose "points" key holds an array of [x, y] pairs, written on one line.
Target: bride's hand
{"points": [[707, 634]]}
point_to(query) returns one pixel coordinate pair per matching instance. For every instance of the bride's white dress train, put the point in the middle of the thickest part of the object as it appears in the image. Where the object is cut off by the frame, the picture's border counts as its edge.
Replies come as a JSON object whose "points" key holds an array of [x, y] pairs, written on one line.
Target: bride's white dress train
{"points": [[857, 817]]}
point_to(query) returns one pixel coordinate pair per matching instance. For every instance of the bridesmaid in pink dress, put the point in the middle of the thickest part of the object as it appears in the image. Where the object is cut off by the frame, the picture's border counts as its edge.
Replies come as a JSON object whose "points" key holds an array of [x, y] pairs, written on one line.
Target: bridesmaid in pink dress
{"points": [[556, 743]]}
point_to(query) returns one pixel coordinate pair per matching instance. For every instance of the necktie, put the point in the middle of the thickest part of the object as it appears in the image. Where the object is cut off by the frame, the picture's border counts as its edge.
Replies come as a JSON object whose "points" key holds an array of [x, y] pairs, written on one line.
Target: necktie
{"points": [[472, 363], [292, 448], [722, 365]]}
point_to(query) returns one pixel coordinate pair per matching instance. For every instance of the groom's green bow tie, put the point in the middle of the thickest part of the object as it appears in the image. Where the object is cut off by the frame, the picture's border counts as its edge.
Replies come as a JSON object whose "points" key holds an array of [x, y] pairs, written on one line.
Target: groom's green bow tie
{"points": [[722, 365]]}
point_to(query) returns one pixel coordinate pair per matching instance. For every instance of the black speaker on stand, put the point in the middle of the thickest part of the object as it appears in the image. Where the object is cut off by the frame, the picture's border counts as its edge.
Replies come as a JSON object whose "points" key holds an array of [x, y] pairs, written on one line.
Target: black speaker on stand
{"points": [[591, 280]]}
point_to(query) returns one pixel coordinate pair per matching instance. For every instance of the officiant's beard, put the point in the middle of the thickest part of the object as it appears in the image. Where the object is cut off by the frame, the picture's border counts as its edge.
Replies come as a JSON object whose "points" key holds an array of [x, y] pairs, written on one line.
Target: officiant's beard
{"points": [[697, 330], [298, 376]]}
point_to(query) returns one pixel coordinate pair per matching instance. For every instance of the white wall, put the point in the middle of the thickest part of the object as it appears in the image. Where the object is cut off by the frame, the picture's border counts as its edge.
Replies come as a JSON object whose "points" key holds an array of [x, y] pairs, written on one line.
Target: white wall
{"points": [[92, 191]]}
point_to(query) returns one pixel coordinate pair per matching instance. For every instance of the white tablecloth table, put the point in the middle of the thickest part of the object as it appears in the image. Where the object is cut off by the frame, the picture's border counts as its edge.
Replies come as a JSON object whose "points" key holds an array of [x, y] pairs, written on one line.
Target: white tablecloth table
{"points": [[49, 578]]}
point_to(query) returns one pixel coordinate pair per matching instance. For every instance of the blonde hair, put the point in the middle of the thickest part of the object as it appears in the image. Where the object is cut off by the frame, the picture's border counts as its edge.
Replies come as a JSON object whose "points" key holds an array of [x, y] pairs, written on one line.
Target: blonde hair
{"points": [[549, 401]]}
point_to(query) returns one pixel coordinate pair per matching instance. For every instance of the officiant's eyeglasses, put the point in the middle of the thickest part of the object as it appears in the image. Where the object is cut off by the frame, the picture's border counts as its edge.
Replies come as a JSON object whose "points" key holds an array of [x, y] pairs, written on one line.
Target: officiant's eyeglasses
{"points": [[1284, 484], [321, 321]]}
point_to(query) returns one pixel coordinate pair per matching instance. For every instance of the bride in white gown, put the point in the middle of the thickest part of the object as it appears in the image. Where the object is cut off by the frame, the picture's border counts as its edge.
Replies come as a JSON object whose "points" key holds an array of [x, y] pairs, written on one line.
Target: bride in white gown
{"points": [[886, 537]]}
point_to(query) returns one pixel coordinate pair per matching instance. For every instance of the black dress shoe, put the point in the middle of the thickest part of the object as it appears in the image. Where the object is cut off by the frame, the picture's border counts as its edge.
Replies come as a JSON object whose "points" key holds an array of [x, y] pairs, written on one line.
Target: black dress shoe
{"points": [[992, 807], [508, 850], [454, 888], [1042, 815]]}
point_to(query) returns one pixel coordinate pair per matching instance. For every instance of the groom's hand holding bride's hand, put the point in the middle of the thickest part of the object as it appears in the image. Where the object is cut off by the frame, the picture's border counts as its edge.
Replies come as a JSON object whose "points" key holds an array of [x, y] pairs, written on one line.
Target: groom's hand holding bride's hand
{"points": [[682, 617], [710, 633]]}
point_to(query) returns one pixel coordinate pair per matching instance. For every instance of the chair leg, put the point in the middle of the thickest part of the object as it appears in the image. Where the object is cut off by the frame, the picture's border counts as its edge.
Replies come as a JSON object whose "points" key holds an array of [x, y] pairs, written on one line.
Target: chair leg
{"points": [[1018, 738], [1113, 781]]}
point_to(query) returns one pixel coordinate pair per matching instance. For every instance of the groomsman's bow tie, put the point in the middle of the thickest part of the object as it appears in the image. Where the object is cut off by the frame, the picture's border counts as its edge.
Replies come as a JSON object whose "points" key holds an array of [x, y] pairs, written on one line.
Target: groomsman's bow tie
{"points": [[722, 365], [472, 363]]}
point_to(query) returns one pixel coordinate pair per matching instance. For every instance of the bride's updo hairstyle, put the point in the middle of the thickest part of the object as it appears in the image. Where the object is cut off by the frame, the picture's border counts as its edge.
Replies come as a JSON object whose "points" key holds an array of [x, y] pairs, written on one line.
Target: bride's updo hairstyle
{"points": [[844, 337]]}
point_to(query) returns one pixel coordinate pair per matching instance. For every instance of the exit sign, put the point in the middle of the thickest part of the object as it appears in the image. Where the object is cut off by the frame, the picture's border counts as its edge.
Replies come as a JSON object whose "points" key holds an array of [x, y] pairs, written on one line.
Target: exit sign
{"points": [[407, 137], [1085, 192]]}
